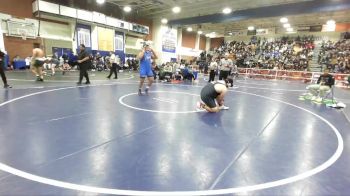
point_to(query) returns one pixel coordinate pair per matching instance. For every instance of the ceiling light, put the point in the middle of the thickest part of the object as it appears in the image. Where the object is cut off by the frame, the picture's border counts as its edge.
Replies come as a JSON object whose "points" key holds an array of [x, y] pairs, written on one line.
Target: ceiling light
{"points": [[207, 35], [176, 10], [100, 1], [227, 10], [330, 22], [164, 21], [251, 28], [290, 29], [127, 9], [230, 33], [287, 25], [189, 29], [200, 32], [284, 20]]}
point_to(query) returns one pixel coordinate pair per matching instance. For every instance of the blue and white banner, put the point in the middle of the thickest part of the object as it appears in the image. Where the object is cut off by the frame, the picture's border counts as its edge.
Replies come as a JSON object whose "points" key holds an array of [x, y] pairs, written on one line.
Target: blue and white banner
{"points": [[119, 41], [84, 35], [169, 41], [119, 45]]}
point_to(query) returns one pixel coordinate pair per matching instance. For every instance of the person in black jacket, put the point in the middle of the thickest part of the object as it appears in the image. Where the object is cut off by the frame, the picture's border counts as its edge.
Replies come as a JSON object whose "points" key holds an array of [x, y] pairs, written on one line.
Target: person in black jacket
{"points": [[2, 72], [324, 84], [84, 62]]}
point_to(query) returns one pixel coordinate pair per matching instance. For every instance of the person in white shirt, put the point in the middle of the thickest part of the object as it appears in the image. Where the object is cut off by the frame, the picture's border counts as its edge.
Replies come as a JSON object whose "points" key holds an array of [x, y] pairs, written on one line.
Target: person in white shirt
{"points": [[234, 70], [168, 70], [225, 67], [176, 67], [28, 60], [212, 69], [114, 67], [182, 66]]}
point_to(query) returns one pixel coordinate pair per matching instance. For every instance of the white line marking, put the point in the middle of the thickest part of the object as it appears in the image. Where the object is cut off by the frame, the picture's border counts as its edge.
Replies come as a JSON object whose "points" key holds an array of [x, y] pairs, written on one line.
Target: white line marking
{"points": [[278, 93], [69, 116], [274, 89], [165, 100], [69, 81], [98, 145], [346, 116], [266, 185], [121, 101], [271, 83], [245, 148]]}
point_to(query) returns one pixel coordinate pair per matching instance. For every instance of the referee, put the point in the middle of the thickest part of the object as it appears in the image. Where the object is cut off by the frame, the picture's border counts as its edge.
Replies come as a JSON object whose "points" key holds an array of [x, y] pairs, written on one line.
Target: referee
{"points": [[84, 63]]}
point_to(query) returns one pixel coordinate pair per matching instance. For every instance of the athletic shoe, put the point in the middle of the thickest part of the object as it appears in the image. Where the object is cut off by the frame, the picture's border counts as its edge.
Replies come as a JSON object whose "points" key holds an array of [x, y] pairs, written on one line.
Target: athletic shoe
{"points": [[78, 83], [7, 86], [319, 100], [200, 110], [199, 107], [223, 107], [140, 92], [146, 91], [87, 83]]}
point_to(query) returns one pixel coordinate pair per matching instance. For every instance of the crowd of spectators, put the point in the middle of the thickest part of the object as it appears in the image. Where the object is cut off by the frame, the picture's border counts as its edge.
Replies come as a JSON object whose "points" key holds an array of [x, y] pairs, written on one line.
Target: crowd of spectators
{"points": [[336, 56], [285, 53]]}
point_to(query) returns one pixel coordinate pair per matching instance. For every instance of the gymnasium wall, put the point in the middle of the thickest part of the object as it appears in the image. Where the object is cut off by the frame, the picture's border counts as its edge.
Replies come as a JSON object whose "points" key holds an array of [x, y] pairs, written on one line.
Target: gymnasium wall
{"points": [[16, 46], [188, 39], [342, 27], [50, 43], [51, 30], [48, 31], [202, 42], [22, 9], [18, 8], [216, 42], [91, 5], [56, 31], [145, 22]]}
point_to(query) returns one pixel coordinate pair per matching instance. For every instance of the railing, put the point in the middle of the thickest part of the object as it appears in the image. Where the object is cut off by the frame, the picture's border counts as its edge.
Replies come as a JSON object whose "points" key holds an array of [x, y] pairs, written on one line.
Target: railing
{"points": [[340, 79]]}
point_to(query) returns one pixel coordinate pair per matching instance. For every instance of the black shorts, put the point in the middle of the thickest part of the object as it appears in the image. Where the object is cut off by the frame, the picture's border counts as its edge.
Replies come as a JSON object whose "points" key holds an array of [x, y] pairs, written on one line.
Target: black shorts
{"points": [[208, 96], [210, 102], [38, 63]]}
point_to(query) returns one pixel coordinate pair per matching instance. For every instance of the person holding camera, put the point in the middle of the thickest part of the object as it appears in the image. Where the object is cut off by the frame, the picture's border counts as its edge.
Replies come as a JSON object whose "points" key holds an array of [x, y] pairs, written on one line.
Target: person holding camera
{"points": [[2, 72]]}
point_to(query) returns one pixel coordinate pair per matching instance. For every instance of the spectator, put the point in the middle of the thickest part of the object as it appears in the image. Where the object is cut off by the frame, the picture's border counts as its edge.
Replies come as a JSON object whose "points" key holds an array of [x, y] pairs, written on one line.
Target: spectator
{"points": [[2, 72], [114, 68], [168, 71], [212, 70], [225, 66], [324, 84]]}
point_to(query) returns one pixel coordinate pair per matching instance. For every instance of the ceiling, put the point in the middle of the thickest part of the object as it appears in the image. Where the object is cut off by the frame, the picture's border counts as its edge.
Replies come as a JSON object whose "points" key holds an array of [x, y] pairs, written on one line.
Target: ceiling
{"points": [[157, 9], [303, 20], [192, 8]]}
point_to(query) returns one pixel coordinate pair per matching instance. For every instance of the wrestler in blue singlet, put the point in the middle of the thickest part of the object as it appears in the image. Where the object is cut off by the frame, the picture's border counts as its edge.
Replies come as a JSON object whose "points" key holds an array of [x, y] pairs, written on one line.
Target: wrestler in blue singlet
{"points": [[146, 65]]}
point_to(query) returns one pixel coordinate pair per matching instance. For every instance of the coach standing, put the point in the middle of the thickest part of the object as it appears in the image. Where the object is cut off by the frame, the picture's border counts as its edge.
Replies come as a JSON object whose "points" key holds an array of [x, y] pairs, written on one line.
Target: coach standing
{"points": [[84, 63]]}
